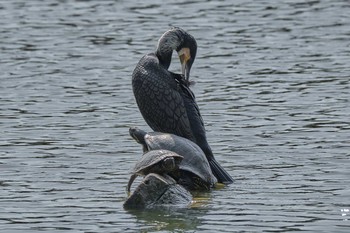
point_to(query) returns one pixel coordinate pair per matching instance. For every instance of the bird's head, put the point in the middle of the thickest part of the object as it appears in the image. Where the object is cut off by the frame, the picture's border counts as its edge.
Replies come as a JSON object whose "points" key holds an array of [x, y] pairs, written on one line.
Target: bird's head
{"points": [[187, 53], [184, 44]]}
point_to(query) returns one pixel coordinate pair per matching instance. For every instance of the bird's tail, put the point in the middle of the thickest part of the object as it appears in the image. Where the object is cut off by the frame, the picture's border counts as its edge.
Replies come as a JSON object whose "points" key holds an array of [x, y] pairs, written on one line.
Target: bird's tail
{"points": [[220, 173]]}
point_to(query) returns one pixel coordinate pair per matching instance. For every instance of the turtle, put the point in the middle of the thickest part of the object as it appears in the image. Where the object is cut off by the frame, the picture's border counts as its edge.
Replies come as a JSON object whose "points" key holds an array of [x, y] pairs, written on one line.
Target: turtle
{"points": [[155, 161], [194, 172]]}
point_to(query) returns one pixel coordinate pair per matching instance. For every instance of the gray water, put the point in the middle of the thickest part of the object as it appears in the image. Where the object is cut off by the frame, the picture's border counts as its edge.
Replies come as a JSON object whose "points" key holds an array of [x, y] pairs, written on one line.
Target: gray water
{"points": [[272, 83]]}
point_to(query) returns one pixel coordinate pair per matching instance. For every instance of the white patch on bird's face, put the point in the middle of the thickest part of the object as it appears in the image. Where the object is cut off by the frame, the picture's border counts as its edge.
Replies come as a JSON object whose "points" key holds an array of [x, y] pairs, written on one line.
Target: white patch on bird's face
{"points": [[184, 55]]}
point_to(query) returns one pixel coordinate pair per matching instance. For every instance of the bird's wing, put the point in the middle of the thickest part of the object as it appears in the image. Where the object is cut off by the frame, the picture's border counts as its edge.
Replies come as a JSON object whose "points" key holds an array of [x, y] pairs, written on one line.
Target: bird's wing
{"points": [[197, 126], [159, 100], [189, 98], [195, 118]]}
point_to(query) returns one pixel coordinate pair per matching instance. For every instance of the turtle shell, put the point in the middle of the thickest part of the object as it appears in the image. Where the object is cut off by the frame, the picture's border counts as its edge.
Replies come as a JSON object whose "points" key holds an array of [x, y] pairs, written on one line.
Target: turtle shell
{"points": [[194, 160], [155, 161]]}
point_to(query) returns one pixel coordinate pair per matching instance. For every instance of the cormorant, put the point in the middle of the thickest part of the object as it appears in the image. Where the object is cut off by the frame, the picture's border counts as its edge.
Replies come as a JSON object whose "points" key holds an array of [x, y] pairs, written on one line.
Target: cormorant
{"points": [[164, 98]]}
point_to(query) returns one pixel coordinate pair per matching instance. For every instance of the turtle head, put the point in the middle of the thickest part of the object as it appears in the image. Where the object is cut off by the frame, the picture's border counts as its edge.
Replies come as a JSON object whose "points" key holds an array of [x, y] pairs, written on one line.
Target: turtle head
{"points": [[169, 164], [172, 163], [139, 136]]}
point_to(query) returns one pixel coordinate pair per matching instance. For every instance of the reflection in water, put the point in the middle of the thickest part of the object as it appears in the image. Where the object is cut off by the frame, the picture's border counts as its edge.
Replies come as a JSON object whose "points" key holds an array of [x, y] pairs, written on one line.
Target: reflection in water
{"points": [[168, 219]]}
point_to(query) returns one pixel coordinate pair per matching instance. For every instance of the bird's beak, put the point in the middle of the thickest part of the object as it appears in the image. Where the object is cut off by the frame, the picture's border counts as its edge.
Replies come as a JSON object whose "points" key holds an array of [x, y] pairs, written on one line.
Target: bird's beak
{"points": [[185, 56]]}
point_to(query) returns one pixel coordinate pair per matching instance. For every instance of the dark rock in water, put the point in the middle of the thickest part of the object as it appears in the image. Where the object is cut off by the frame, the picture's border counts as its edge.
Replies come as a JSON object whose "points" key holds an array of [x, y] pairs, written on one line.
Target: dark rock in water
{"points": [[158, 190]]}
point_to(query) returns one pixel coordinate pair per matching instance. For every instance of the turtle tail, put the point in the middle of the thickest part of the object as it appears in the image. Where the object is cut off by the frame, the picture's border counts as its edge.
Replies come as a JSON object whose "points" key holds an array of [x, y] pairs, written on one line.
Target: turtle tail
{"points": [[219, 172], [131, 180]]}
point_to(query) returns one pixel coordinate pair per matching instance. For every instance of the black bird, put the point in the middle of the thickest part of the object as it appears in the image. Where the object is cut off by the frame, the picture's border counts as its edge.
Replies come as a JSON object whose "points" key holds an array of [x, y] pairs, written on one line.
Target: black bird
{"points": [[164, 98]]}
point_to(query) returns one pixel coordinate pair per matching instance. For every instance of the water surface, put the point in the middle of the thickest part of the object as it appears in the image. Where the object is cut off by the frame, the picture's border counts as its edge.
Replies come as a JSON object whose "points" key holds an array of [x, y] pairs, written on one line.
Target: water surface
{"points": [[272, 83]]}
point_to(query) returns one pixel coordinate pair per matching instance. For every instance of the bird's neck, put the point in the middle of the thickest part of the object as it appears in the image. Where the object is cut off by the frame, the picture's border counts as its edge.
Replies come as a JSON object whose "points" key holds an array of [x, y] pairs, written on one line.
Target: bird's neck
{"points": [[164, 57]]}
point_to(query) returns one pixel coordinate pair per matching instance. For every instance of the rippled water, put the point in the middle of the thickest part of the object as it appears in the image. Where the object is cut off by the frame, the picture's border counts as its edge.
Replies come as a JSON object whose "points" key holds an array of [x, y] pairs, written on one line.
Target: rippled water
{"points": [[272, 84]]}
